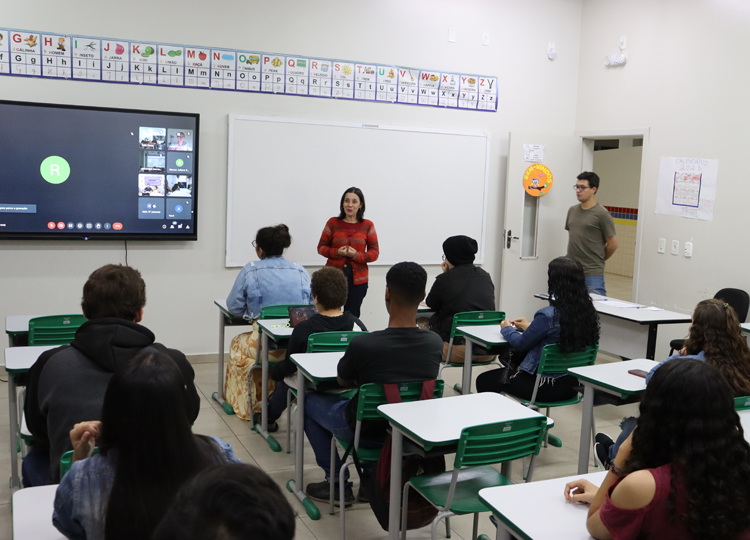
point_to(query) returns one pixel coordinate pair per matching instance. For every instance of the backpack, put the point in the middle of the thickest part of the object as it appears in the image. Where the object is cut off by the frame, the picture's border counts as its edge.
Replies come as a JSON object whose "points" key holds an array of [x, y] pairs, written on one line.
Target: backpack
{"points": [[377, 484]]}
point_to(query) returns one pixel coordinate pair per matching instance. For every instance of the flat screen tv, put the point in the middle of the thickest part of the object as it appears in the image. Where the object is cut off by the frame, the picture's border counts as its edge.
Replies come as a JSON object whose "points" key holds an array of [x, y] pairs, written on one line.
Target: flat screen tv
{"points": [[92, 173]]}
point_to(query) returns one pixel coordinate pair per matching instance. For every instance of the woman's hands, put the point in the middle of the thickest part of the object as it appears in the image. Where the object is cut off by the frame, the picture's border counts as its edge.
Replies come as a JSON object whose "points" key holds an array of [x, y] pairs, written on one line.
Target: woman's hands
{"points": [[521, 324], [346, 251], [581, 491], [83, 436]]}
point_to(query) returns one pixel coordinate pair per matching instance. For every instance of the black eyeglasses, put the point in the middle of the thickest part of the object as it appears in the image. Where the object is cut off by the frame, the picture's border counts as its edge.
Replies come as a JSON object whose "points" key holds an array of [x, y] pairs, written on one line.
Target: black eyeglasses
{"points": [[581, 188], [443, 257], [255, 244]]}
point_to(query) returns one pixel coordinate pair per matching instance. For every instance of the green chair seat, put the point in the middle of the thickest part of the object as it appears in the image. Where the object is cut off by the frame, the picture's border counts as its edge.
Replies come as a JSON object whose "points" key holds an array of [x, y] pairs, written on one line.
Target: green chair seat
{"points": [[548, 404], [435, 488]]}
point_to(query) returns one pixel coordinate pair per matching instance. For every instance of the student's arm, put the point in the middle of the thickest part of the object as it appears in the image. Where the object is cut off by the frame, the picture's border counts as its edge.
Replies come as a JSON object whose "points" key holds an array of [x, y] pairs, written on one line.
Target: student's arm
{"points": [[609, 232], [325, 244], [373, 250], [611, 246], [35, 420], [657, 366], [527, 340], [188, 375], [297, 344], [65, 516], [434, 299], [347, 372], [237, 298]]}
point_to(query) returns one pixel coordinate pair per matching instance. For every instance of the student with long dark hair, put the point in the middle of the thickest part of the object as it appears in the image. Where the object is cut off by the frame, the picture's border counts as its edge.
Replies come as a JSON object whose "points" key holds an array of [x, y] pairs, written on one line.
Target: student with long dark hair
{"points": [[684, 471], [349, 242], [146, 452], [569, 321]]}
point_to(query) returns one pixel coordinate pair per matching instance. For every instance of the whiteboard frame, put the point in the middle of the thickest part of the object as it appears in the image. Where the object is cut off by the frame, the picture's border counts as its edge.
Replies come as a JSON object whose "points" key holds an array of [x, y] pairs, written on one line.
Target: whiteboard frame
{"points": [[232, 118]]}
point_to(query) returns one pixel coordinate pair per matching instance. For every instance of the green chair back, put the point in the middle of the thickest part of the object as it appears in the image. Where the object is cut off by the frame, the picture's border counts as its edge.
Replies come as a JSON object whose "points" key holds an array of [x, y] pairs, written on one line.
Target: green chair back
{"points": [[54, 329], [280, 311], [500, 442], [372, 395], [67, 460], [742, 403], [330, 341], [554, 361], [475, 318]]}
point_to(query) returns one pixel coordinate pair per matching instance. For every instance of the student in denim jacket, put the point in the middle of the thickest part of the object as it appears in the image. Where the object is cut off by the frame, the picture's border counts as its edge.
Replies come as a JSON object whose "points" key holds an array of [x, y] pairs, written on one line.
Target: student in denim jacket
{"points": [[147, 451], [270, 281], [570, 321]]}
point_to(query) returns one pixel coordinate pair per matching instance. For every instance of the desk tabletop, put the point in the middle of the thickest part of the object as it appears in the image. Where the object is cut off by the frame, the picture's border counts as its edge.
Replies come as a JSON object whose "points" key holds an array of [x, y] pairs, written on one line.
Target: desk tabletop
{"points": [[15, 324], [276, 328], [520, 505], [745, 421], [614, 376], [629, 311], [745, 327], [452, 414], [222, 305], [22, 358], [318, 366], [32, 514], [488, 335]]}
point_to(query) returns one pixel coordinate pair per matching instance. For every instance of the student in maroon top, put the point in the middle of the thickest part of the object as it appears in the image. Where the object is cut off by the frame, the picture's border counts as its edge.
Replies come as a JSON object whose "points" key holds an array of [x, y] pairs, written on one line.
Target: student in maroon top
{"points": [[684, 473], [349, 242]]}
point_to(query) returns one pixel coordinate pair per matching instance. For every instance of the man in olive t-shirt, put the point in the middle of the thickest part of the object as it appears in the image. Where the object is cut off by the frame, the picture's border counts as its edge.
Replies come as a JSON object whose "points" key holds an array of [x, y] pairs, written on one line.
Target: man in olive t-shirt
{"points": [[592, 235]]}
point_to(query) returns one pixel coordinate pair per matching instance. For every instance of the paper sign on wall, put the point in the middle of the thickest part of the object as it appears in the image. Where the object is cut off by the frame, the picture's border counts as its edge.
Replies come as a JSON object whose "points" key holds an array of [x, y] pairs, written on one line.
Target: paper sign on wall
{"points": [[534, 152], [687, 187]]}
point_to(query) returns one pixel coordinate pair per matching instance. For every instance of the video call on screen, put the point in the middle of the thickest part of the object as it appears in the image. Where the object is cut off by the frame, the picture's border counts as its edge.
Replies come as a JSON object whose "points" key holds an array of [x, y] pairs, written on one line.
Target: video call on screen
{"points": [[69, 170]]}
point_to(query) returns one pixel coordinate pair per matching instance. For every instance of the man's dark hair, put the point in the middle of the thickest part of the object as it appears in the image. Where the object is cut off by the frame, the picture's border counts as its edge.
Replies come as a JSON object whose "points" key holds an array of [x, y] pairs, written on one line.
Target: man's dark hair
{"points": [[407, 282], [228, 502], [114, 290], [329, 286], [591, 177]]}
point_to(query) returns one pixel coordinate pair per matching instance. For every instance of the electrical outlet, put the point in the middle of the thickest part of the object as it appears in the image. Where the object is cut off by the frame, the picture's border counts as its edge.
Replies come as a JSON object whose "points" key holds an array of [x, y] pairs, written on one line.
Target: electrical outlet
{"points": [[675, 247], [688, 249], [485, 38], [662, 245], [452, 36]]}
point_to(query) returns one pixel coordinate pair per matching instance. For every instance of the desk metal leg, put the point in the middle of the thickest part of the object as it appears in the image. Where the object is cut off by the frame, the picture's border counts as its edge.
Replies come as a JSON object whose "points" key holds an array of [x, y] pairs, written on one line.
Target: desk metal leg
{"points": [[218, 396], [263, 428], [651, 343], [586, 422], [296, 486], [12, 410], [466, 373], [502, 533], [394, 511]]}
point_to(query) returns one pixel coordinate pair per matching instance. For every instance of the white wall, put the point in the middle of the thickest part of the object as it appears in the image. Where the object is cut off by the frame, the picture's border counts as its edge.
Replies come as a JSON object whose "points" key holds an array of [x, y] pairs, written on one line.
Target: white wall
{"points": [[685, 81], [48, 277]]}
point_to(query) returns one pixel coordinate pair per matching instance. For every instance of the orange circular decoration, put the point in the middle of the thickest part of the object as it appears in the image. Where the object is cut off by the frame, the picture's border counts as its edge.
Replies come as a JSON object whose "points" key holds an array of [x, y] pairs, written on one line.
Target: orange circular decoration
{"points": [[537, 180]]}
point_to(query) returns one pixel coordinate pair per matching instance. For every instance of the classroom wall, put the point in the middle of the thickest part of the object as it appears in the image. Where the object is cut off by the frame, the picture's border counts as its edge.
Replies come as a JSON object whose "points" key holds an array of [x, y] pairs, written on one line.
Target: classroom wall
{"points": [[184, 278], [684, 80]]}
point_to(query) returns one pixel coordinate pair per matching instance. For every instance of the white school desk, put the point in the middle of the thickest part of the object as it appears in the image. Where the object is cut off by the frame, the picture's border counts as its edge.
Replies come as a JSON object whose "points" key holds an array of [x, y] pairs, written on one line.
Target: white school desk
{"points": [[448, 416], [745, 421], [18, 360], [225, 319], [630, 331], [613, 379], [315, 368], [538, 510], [17, 326], [32, 514], [488, 337], [745, 327]]}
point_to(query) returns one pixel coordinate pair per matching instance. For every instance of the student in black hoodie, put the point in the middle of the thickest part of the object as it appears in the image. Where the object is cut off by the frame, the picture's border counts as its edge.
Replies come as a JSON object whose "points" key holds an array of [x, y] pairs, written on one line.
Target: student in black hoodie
{"points": [[329, 290], [67, 385]]}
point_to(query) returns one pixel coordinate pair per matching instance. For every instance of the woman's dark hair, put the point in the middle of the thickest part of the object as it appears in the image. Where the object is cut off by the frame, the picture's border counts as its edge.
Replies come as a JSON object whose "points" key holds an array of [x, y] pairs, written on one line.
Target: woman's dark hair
{"points": [[146, 434], [229, 502], [361, 211], [329, 286], [566, 286], [688, 417], [114, 290], [716, 331], [273, 240]]}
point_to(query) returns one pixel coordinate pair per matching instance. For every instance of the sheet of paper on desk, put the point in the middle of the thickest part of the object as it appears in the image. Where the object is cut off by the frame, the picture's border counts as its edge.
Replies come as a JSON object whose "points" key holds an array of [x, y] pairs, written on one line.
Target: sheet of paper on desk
{"points": [[654, 308], [615, 303]]}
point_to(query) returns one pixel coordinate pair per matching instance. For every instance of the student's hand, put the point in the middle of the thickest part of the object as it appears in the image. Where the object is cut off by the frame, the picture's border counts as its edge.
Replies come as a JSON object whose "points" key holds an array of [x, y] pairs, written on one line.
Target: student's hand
{"points": [[83, 437], [342, 251], [683, 351], [444, 266], [581, 491], [504, 324], [521, 323]]}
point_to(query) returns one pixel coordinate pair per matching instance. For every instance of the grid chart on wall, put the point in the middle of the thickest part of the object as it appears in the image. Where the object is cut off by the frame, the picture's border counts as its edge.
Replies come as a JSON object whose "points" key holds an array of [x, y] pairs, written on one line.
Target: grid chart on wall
{"points": [[71, 57]]}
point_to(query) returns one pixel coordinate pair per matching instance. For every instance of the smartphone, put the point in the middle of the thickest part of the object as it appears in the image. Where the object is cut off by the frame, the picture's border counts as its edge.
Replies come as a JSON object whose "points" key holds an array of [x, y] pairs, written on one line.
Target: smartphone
{"points": [[638, 372]]}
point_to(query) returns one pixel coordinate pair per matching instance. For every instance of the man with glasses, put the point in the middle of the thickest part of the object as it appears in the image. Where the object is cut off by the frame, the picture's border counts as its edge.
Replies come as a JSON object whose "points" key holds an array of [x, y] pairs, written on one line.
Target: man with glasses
{"points": [[592, 235]]}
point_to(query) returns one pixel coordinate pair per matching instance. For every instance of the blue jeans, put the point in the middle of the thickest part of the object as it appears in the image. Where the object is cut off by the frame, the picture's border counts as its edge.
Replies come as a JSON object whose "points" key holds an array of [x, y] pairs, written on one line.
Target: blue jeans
{"points": [[325, 416], [35, 467], [627, 425], [277, 401], [595, 284]]}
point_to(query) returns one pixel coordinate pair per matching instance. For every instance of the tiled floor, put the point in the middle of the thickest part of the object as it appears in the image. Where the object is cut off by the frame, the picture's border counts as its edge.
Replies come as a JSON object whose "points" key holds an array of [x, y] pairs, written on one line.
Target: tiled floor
{"points": [[361, 523]]}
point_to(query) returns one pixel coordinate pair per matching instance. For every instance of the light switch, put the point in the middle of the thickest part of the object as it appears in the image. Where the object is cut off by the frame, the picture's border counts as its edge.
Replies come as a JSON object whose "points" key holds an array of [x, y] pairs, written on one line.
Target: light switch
{"points": [[452, 36], [675, 247], [688, 249], [662, 245], [485, 38]]}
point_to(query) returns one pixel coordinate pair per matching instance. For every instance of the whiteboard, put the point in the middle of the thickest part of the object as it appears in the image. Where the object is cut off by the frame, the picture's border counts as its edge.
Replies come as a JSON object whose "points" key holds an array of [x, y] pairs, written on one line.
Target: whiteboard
{"points": [[420, 185]]}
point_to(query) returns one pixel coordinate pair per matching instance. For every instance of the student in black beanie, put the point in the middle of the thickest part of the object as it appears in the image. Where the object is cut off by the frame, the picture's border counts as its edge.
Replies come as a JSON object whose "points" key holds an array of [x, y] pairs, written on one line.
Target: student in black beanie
{"points": [[461, 287]]}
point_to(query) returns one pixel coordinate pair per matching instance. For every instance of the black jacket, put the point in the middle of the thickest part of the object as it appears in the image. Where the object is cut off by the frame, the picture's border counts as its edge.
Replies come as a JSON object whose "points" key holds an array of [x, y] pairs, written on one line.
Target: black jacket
{"points": [[67, 385], [462, 288]]}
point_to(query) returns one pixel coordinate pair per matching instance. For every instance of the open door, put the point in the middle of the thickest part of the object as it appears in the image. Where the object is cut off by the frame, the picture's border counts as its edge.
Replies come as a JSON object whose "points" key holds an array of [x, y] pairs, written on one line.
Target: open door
{"points": [[535, 226]]}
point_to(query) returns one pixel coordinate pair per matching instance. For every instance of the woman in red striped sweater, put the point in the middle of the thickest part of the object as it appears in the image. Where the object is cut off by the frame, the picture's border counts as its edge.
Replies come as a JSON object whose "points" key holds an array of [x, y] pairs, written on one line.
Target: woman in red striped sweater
{"points": [[349, 242]]}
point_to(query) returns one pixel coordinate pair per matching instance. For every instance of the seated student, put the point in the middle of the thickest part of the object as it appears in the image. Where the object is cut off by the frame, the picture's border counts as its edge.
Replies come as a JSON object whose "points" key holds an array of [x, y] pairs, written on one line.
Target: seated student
{"points": [[570, 321], [147, 451], [684, 471], [715, 337], [461, 287], [228, 502], [270, 281], [329, 289], [400, 353], [67, 385]]}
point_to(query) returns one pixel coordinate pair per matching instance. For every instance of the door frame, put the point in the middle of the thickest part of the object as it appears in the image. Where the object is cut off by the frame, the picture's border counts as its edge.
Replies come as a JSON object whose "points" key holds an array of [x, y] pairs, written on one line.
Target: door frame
{"points": [[587, 164]]}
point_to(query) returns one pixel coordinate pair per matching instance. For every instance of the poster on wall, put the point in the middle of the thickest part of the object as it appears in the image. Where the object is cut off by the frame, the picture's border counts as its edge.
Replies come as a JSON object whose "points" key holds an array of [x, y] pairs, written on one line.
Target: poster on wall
{"points": [[687, 187]]}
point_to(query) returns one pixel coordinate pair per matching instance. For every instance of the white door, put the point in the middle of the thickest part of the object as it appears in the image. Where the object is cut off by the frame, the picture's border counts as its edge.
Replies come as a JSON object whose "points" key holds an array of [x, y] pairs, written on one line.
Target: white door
{"points": [[535, 226]]}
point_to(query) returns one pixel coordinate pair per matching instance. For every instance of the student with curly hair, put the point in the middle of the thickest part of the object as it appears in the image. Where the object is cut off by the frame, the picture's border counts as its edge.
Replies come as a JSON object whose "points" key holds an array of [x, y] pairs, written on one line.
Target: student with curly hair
{"points": [[570, 321], [683, 473]]}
